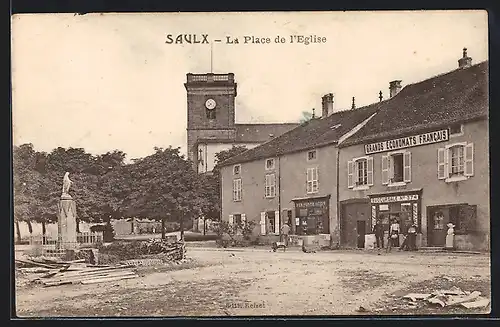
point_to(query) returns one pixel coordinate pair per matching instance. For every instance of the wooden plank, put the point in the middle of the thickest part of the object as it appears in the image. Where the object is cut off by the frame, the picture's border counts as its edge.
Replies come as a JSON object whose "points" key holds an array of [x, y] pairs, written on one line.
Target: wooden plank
{"points": [[77, 274], [77, 280], [89, 271], [62, 277], [34, 263], [102, 280]]}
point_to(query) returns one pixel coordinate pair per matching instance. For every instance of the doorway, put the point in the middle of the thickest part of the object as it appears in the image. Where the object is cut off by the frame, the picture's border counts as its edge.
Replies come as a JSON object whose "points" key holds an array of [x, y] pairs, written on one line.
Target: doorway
{"points": [[437, 219], [355, 221], [361, 231]]}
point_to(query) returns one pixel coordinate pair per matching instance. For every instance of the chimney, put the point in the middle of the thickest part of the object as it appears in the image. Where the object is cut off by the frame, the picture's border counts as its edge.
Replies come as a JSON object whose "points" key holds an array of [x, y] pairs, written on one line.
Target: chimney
{"points": [[380, 97], [353, 106], [327, 105], [465, 61], [394, 88]]}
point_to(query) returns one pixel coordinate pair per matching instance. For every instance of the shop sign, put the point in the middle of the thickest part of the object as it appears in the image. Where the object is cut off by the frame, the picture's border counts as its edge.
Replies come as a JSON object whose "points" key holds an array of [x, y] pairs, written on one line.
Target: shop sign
{"points": [[395, 198], [407, 142], [311, 204]]}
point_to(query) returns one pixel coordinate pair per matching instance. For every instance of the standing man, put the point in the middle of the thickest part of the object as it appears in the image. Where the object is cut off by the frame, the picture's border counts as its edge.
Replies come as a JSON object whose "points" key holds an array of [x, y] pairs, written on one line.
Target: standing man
{"points": [[378, 230], [412, 237], [285, 229]]}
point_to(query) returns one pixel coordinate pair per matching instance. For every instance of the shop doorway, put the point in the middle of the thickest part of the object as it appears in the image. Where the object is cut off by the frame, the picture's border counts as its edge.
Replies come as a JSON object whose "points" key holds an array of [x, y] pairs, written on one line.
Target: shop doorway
{"points": [[355, 221], [437, 219], [361, 230]]}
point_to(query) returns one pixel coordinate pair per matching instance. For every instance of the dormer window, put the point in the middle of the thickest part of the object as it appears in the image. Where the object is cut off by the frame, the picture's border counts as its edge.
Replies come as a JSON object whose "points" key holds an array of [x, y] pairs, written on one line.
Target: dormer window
{"points": [[456, 130], [311, 155], [236, 169], [270, 164]]}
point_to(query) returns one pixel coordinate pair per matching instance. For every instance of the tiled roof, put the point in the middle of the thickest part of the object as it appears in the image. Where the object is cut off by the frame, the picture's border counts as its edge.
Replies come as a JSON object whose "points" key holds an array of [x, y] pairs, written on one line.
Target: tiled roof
{"points": [[316, 132], [259, 133], [456, 96]]}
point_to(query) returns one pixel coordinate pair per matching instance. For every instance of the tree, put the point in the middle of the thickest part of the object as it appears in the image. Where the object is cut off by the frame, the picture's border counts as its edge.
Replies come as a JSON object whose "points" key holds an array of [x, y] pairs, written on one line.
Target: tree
{"points": [[306, 116], [27, 184], [160, 186]]}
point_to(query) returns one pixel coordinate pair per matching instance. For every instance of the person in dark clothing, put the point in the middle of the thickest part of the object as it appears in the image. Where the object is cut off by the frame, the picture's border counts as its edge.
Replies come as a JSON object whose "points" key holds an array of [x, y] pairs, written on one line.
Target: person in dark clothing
{"points": [[412, 238], [378, 230]]}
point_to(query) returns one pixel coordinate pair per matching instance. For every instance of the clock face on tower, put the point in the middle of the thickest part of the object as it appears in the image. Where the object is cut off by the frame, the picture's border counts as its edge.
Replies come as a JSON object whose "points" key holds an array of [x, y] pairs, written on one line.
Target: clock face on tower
{"points": [[210, 104]]}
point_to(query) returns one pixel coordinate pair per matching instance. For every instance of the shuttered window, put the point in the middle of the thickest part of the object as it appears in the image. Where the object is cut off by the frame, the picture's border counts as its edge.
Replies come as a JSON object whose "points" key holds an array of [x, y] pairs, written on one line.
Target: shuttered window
{"points": [[237, 190], [360, 172], [455, 162], [312, 184], [270, 185]]}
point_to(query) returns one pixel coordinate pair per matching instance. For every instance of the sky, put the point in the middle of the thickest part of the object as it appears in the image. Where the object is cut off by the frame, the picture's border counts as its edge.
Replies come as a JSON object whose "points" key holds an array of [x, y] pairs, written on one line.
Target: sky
{"points": [[109, 81]]}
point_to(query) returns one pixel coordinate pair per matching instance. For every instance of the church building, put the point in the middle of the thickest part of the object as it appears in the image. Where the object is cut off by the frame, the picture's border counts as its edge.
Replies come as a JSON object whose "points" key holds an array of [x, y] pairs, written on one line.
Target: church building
{"points": [[211, 125]]}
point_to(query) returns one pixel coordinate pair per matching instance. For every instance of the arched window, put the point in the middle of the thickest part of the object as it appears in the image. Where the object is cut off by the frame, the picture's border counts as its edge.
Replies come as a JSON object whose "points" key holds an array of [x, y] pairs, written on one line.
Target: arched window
{"points": [[210, 113]]}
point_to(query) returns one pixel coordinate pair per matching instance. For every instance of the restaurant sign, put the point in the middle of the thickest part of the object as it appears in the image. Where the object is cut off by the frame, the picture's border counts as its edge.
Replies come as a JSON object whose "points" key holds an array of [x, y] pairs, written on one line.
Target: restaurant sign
{"points": [[407, 142], [395, 198]]}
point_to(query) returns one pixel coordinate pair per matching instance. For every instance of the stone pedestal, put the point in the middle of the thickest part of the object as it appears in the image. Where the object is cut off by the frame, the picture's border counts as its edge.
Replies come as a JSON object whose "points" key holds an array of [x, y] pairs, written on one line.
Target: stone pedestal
{"points": [[66, 224], [450, 241]]}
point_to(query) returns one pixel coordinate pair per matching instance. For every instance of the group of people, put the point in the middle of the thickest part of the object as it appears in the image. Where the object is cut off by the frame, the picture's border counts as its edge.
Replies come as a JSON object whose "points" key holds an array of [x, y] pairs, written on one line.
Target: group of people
{"points": [[410, 236]]}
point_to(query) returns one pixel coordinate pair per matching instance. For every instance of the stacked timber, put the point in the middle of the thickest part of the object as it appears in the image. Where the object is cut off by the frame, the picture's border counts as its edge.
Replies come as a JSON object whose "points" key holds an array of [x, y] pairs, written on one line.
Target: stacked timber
{"points": [[88, 275], [72, 272]]}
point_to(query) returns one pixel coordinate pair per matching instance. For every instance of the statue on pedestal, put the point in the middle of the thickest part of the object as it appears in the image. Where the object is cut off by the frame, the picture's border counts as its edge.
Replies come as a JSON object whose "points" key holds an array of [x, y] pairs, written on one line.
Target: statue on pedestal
{"points": [[66, 185], [66, 219]]}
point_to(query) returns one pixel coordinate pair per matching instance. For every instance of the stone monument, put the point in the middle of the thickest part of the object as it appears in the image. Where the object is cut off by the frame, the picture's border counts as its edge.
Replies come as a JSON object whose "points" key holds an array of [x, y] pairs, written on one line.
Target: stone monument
{"points": [[66, 219]]}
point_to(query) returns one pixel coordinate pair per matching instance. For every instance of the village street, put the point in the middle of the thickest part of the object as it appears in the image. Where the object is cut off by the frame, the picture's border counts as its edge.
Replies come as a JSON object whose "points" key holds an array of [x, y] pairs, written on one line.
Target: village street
{"points": [[259, 282]]}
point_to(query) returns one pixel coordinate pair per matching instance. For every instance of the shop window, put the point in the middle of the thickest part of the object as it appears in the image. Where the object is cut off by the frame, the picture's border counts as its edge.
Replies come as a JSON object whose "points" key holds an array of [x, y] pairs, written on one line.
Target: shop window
{"points": [[463, 216], [456, 162], [312, 185], [237, 190], [311, 155], [270, 186], [396, 168], [270, 164], [236, 169], [360, 172]]}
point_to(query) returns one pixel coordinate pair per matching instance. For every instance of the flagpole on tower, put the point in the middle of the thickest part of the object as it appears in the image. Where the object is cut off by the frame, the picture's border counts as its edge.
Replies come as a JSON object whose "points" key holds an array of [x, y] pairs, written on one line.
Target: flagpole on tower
{"points": [[211, 57]]}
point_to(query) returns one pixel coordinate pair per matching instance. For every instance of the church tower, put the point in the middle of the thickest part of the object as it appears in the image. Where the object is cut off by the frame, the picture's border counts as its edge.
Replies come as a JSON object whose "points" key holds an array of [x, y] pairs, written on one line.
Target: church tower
{"points": [[210, 113]]}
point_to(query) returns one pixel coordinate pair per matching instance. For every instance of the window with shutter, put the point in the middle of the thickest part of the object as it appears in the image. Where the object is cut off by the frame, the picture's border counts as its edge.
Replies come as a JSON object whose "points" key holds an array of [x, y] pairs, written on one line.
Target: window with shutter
{"points": [[237, 190], [270, 185], [458, 162], [276, 222], [231, 219], [263, 223], [407, 167], [385, 170], [312, 180], [350, 179], [243, 218], [441, 163], [360, 173], [469, 160], [369, 171]]}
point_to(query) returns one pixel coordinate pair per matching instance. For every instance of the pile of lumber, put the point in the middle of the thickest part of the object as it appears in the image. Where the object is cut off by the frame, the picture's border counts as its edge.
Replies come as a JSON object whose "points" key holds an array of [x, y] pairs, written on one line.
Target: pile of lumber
{"points": [[72, 272], [170, 251]]}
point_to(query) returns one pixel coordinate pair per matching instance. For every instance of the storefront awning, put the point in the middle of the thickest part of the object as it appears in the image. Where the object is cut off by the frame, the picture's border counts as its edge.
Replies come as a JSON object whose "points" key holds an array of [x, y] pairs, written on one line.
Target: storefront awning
{"points": [[312, 198], [416, 190]]}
